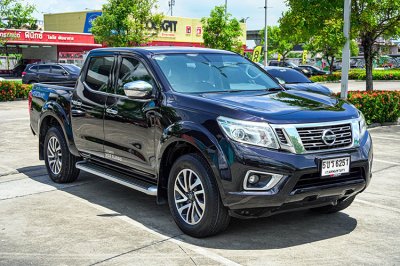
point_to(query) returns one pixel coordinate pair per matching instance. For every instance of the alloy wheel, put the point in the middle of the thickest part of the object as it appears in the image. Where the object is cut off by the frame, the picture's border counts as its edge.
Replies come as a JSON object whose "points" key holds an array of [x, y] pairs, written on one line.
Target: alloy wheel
{"points": [[54, 155], [189, 196]]}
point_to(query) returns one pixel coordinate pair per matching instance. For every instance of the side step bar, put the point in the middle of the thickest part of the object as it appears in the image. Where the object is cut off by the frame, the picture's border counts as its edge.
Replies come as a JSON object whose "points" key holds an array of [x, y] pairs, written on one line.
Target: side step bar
{"points": [[117, 177]]}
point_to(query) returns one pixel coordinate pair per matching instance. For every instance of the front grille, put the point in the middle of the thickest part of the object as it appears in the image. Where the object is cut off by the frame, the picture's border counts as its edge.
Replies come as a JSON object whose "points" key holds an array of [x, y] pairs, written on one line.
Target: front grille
{"points": [[312, 137], [281, 135], [315, 179]]}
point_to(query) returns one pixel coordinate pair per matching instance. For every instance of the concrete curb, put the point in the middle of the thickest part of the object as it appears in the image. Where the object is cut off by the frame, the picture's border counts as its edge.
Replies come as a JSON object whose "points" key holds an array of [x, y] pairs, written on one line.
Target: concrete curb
{"points": [[374, 125], [358, 80]]}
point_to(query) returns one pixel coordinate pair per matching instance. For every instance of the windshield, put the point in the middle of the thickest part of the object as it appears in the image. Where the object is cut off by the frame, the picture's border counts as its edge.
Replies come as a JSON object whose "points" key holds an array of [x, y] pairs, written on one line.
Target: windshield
{"points": [[291, 64], [72, 68], [199, 73], [288, 75]]}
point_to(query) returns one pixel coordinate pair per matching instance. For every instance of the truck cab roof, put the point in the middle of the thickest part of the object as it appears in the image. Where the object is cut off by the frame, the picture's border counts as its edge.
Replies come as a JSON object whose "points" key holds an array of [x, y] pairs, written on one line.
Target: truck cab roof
{"points": [[149, 50]]}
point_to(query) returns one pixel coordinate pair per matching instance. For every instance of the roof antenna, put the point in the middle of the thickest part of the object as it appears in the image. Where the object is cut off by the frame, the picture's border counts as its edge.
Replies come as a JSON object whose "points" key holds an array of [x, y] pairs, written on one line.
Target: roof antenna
{"points": [[171, 4]]}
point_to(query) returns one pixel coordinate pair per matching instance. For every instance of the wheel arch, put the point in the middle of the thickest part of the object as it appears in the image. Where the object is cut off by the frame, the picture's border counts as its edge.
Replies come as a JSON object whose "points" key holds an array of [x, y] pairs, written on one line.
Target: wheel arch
{"points": [[190, 138], [54, 115]]}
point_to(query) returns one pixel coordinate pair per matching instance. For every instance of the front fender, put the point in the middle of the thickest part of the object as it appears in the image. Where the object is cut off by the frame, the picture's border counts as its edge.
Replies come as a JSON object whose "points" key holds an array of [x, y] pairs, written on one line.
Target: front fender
{"points": [[205, 142]]}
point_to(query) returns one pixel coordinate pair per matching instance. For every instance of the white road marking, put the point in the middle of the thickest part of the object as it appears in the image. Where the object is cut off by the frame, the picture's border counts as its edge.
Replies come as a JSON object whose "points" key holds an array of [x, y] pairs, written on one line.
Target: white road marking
{"points": [[378, 205], [388, 138], [388, 162], [199, 250]]}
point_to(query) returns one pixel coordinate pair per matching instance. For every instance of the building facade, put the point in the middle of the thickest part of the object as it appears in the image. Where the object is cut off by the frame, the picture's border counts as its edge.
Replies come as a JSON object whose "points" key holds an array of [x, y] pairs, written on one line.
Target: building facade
{"points": [[43, 46], [176, 31]]}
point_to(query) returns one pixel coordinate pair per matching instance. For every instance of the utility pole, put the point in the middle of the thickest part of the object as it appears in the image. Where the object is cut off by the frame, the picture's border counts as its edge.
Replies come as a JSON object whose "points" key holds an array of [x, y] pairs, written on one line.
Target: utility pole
{"points": [[226, 7], [346, 50], [266, 35], [171, 4]]}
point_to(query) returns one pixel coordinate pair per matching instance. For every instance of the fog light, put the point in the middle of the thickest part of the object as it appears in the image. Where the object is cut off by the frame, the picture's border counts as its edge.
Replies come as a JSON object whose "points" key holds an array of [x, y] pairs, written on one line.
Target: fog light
{"points": [[253, 179]]}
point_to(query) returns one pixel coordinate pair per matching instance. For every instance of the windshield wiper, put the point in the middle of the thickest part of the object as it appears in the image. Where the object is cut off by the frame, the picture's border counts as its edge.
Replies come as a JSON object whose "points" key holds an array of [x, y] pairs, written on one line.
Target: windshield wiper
{"points": [[275, 89]]}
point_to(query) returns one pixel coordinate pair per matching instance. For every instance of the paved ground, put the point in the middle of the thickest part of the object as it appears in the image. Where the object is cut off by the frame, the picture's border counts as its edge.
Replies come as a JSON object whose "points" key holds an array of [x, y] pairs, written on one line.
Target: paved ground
{"points": [[94, 221], [357, 85]]}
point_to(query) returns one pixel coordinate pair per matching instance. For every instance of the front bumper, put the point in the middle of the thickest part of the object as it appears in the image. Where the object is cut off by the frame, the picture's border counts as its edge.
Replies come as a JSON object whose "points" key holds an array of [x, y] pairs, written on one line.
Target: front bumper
{"points": [[301, 187]]}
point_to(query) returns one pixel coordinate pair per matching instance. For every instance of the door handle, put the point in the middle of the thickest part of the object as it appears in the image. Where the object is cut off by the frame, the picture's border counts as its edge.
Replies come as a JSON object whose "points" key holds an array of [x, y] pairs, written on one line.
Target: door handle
{"points": [[77, 103], [112, 111]]}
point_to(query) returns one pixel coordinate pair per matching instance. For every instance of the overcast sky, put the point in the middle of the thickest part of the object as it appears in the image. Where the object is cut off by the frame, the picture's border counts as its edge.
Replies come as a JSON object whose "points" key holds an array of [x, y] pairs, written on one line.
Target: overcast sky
{"points": [[254, 9]]}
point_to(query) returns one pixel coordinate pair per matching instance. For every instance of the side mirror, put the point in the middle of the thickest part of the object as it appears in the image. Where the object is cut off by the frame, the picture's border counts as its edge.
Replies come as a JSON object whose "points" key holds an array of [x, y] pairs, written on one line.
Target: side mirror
{"points": [[138, 89]]}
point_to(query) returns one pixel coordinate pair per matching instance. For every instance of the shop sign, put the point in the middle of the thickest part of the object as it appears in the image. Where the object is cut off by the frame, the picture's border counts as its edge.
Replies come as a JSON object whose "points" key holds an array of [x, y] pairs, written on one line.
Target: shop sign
{"points": [[90, 17], [45, 37], [166, 25]]}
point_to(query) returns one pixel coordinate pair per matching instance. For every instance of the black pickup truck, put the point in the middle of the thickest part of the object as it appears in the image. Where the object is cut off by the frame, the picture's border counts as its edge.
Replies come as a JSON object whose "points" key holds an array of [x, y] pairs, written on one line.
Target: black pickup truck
{"points": [[206, 131]]}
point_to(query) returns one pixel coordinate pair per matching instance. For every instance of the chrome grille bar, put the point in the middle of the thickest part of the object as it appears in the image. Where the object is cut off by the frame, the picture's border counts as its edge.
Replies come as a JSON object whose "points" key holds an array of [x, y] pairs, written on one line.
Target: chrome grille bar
{"points": [[312, 137], [307, 138]]}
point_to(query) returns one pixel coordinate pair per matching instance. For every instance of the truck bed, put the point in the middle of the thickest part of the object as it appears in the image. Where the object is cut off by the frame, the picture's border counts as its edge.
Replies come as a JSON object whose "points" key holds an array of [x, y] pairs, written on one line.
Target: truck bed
{"points": [[45, 96]]}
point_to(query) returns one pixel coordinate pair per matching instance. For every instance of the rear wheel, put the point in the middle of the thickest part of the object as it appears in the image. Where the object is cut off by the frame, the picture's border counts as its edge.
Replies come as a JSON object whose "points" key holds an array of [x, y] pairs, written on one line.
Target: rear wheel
{"points": [[60, 163], [341, 205], [193, 198]]}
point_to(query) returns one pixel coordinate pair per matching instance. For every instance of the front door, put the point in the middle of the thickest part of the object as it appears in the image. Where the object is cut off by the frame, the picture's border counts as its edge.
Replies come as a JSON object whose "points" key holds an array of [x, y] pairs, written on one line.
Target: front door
{"points": [[129, 123], [88, 102], [59, 75]]}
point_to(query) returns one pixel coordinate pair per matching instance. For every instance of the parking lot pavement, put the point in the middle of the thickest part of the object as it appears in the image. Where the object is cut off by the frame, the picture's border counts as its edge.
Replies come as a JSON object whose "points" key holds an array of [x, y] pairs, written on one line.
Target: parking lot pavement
{"points": [[94, 221]]}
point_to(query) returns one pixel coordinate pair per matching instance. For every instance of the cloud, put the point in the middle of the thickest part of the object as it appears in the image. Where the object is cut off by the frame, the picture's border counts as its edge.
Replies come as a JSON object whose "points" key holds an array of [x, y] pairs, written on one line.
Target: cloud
{"points": [[254, 9]]}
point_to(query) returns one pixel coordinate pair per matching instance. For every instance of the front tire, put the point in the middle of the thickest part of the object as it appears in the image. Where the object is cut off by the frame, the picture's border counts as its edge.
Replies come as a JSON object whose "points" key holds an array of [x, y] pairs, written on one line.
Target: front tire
{"points": [[341, 205], [194, 199], [60, 163]]}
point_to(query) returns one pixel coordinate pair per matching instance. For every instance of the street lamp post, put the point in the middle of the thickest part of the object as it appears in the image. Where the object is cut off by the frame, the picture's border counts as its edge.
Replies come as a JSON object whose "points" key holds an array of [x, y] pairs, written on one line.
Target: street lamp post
{"points": [[346, 50], [266, 35]]}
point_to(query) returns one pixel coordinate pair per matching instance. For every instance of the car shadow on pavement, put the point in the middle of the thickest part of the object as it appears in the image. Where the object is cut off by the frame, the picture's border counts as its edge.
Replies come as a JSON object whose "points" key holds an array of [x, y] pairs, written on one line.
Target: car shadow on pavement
{"points": [[275, 232]]}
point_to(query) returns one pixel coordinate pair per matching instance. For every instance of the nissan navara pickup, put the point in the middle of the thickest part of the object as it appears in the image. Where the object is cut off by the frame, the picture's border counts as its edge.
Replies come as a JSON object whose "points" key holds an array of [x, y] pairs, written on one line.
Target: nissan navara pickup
{"points": [[206, 131]]}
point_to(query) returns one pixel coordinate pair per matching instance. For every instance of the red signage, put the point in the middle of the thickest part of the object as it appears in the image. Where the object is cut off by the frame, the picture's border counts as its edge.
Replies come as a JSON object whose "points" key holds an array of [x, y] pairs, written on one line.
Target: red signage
{"points": [[50, 38], [188, 29], [199, 30]]}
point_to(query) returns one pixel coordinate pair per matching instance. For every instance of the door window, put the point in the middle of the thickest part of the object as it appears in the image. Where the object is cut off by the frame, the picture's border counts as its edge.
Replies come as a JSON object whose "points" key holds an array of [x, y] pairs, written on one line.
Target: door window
{"points": [[57, 70], [99, 71], [44, 69], [132, 70], [33, 68]]}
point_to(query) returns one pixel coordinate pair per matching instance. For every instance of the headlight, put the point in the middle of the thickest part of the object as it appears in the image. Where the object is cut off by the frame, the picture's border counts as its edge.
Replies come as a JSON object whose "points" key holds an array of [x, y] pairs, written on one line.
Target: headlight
{"points": [[254, 133], [363, 125]]}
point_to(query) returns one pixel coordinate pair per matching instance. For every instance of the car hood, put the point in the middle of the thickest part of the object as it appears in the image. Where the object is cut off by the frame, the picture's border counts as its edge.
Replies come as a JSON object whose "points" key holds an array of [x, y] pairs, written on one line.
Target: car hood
{"points": [[312, 87], [274, 107]]}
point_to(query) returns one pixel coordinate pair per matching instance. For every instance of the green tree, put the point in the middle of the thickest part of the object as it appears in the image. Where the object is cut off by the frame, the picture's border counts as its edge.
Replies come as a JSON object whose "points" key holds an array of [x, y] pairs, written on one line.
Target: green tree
{"points": [[220, 31], [127, 23], [328, 41], [370, 20], [17, 15], [278, 41]]}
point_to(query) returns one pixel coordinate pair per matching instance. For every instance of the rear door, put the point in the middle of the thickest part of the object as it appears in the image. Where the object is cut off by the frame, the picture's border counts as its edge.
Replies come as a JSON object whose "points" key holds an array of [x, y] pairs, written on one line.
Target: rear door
{"points": [[44, 73], [88, 103], [129, 122]]}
